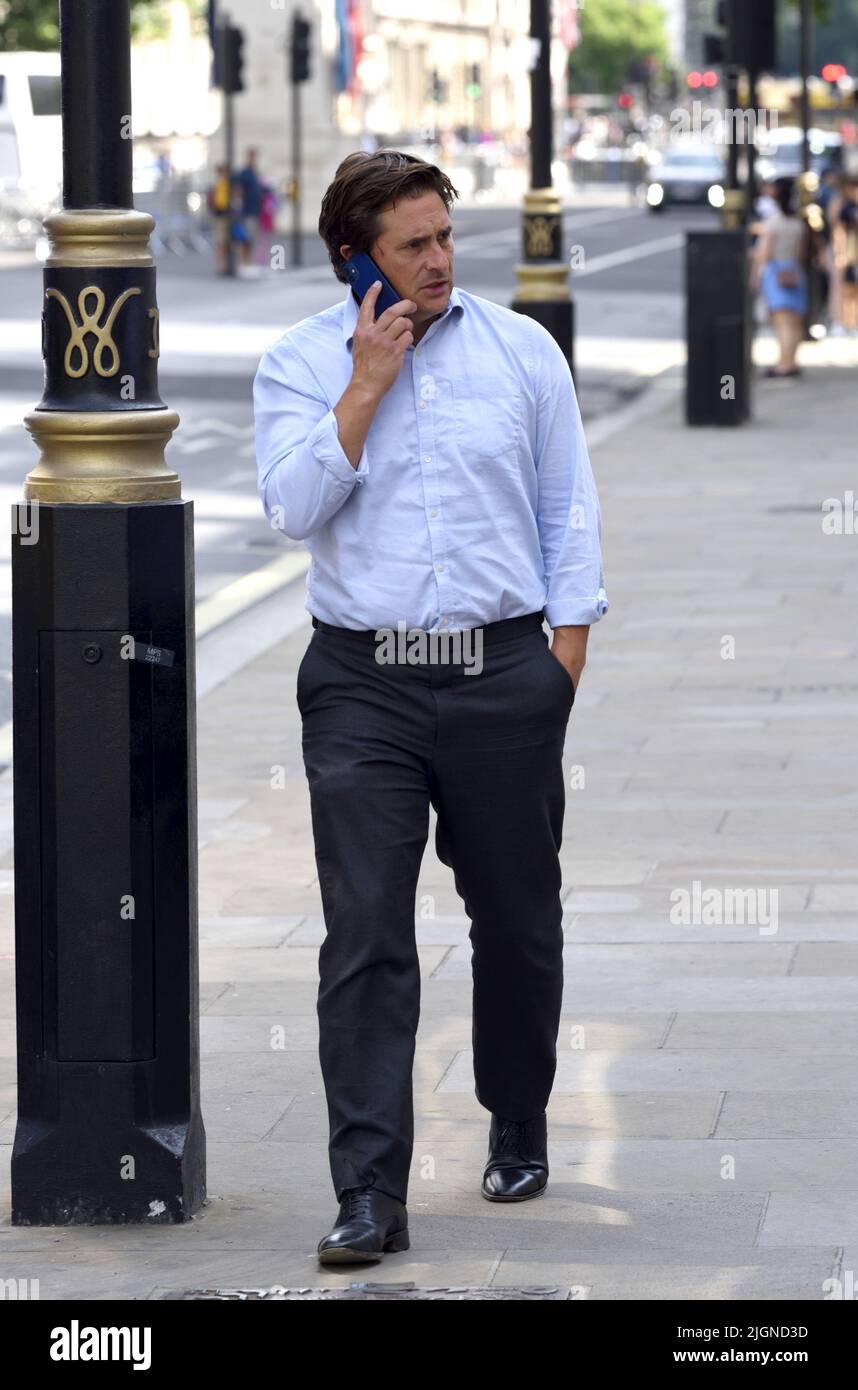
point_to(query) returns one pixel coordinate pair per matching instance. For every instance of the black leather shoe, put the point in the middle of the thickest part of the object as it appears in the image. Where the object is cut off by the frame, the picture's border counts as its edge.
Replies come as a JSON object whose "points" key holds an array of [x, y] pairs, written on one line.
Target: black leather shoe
{"points": [[370, 1224], [518, 1159]]}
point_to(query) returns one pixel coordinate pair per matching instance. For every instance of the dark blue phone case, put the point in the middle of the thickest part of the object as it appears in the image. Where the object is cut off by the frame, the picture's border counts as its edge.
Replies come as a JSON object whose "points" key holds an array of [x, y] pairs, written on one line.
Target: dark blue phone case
{"points": [[361, 270]]}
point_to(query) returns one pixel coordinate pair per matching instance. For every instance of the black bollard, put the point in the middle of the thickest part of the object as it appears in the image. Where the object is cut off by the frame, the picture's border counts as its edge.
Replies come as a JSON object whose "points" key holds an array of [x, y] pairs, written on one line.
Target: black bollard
{"points": [[109, 1125], [718, 328]]}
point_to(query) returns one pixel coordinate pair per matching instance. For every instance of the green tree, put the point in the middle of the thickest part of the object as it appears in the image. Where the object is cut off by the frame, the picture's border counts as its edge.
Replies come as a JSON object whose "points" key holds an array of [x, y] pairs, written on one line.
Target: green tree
{"points": [[33, 25], [615, 33]]}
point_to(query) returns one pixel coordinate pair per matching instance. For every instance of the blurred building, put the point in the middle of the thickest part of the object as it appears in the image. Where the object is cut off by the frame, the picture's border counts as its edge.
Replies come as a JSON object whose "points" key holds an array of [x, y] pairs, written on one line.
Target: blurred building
{"points": [[381, 73], [674, 14], [686, 22], [699, 20], [463, 69]]}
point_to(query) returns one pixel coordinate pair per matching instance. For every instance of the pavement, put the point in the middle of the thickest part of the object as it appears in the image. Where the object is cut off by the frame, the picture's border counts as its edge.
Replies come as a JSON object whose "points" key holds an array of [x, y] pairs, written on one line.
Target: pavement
{"points": [[703, 1128]]}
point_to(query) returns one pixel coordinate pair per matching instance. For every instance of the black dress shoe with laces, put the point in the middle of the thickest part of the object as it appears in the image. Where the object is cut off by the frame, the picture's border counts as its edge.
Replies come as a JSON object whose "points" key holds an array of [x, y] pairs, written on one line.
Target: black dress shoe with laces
{"points": [[370, 1224], [518, 1159]]}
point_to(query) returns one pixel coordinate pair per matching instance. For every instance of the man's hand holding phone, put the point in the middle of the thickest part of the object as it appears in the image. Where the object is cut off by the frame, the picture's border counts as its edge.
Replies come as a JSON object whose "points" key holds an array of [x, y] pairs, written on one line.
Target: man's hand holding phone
{"points": [[379, 344], [378, 347]]}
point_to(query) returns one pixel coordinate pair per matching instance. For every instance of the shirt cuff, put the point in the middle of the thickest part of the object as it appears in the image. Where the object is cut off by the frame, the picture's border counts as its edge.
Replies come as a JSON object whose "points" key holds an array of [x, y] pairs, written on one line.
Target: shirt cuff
{"points": [[325, 444], [581, 612]]}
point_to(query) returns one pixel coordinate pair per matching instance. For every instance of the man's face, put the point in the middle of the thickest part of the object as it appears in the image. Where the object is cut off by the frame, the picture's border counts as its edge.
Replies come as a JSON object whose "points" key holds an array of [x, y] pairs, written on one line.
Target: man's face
{"points": [[415, 250]]}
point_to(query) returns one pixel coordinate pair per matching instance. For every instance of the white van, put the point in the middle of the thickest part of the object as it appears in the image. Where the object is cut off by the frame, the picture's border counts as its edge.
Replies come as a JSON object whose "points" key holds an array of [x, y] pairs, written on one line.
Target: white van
{"points": [[31, 151], [780, 151]]}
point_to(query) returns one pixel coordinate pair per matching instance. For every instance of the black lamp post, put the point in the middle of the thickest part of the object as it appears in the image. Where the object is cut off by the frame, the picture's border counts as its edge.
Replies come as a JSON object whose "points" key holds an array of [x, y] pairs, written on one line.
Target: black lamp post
{"points": [[543, 274], [109, 1126], [719, 319]]}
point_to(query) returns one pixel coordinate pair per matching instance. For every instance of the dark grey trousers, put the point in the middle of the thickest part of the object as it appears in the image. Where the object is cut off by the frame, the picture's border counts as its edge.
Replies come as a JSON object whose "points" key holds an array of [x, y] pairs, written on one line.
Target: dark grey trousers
{"points": [[381, 743]]}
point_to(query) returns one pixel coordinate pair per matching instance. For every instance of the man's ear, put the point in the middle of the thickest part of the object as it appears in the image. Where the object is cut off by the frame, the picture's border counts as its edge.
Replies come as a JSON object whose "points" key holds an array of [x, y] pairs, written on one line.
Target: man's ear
{"points": [[344, 252]]}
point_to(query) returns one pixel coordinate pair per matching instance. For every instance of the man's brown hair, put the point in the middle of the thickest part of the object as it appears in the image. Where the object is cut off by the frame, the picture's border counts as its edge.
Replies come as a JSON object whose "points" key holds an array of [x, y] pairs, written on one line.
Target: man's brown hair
{"points": [[363, 185]]}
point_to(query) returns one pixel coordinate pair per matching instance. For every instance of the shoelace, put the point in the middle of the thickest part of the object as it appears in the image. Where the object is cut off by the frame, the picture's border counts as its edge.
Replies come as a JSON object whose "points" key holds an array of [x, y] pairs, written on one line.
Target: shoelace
{"points": [[356, 1202], [513, 1138]]}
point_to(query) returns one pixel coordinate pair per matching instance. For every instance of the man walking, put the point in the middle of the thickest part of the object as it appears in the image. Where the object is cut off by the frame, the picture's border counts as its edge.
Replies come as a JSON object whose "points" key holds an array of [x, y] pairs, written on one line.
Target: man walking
{"points": [[434, 462], [252, 193]]}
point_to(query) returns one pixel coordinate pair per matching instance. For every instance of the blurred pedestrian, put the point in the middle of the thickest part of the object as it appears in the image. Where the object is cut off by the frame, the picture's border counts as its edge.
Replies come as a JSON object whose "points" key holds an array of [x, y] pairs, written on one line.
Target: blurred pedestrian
{"points": [[220, 207], [827, 198], [267, 223], [252, 191], [779, 273], [765, 205], [843, 212]]}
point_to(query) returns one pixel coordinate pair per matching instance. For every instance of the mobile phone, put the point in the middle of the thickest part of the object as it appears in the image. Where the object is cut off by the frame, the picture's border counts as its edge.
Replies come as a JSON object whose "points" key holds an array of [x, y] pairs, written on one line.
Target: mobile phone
{"points": [[361, 270]]}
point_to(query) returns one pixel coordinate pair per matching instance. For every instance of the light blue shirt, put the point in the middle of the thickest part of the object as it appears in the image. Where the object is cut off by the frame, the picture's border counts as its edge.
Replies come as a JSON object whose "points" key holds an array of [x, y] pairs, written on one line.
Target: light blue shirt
{"points": [[473, 499]]}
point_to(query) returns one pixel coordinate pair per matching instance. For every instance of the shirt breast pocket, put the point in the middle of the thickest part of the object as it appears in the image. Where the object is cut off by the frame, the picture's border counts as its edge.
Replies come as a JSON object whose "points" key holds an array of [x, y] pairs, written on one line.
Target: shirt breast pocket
{"points": [[488, 418]]}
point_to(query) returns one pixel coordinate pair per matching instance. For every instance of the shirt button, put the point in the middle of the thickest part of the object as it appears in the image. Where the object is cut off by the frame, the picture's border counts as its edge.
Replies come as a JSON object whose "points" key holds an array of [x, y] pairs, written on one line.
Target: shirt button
{"points": [[427, 458], [434, 511], [439, 568], [422, 405], [445, 622], [417, 351]]}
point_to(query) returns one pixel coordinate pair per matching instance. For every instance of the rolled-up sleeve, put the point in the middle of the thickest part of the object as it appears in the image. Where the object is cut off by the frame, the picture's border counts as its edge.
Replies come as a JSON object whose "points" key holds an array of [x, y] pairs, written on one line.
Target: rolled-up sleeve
{"points": [[569, 517], [303, 474]]}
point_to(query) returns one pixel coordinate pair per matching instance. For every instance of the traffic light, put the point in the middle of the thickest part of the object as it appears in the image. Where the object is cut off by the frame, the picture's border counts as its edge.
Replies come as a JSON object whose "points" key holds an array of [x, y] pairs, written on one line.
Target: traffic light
{"points": [[230, 65], [715, 45], [300, 49], [757, 35], [438, 93], [747, 38], [473, 90]]}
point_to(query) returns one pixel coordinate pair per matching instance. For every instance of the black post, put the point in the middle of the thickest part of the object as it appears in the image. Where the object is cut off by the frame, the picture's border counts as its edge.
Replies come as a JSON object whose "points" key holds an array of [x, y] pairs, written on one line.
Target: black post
{"points": [[718, 329], [296, 173], [808, 185], [543, 274], [541, 125], [731, 99], [719, 320], [751, 187], [298, 71], [805, 60], [229, 154], [96, 87], [109, 1127]]}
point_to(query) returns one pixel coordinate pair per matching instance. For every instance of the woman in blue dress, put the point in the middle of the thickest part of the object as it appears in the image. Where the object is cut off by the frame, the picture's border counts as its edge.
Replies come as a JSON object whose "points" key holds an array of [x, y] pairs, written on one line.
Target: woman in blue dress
{"points": [[779, 273]]}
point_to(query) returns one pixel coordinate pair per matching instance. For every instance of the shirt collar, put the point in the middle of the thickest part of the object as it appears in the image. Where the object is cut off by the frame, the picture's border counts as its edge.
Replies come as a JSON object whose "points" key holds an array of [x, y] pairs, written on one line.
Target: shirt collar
{"points": [[351, 309]]}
